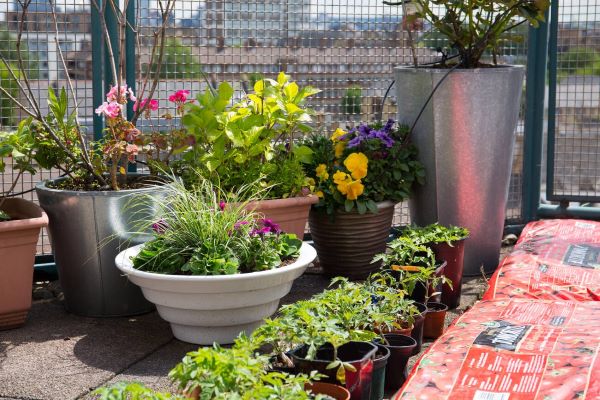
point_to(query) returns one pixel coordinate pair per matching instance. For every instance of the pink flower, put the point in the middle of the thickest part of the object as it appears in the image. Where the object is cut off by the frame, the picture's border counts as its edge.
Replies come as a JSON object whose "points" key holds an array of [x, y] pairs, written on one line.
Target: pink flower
{"points": [[152, 105], [222, 205], [179, 96], [115, 94], [132, 134], [132, 151], [110, 110]]}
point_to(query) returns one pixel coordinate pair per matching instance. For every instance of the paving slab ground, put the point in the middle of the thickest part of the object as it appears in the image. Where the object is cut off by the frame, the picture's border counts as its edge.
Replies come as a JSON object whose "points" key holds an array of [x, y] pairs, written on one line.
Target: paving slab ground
{"points": [[61, 356]]}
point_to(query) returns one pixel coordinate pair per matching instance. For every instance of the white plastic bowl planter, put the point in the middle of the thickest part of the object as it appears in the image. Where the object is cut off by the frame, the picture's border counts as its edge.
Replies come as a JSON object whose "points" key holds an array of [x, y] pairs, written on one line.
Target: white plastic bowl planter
{"points": [[208, 309]]}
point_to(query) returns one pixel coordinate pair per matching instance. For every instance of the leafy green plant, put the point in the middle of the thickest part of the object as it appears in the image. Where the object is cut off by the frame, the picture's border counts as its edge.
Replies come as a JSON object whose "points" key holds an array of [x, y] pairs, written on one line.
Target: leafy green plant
{"points": [[253, 141], [216, 373], [474, 26], [203, 231], [352, 100], [435, 233], [355, 169]]}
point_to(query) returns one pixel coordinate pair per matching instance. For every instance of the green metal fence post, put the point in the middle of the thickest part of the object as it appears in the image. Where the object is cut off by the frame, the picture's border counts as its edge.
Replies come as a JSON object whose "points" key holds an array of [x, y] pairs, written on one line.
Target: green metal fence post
{"points": [[97, 61], [130, 61], [534, 120]]}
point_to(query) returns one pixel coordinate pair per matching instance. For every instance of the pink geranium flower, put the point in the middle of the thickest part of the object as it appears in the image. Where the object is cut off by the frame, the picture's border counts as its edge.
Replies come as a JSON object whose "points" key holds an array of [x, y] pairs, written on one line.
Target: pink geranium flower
{"points": [[179, 96], [110, 110], [115, 94], [152, 105]]}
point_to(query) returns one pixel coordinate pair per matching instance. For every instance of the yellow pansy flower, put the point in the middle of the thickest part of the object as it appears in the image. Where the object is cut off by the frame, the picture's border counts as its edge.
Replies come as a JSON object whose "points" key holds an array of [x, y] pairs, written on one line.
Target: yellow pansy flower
{"points": [[339, 177], [319, 194], [321, 171], [339, 149], [357, 164], [337, 134], [354, 189]]}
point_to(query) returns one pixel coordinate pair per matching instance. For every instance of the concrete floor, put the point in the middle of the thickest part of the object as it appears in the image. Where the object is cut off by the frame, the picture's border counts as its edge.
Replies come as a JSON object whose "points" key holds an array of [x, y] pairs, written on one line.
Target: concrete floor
{"points": [[61, 356]]}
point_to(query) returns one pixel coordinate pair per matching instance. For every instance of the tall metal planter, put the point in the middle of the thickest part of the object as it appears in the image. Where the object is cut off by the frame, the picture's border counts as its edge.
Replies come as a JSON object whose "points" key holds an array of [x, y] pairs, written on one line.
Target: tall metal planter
{"points": [[87, 231], [465, 138]]}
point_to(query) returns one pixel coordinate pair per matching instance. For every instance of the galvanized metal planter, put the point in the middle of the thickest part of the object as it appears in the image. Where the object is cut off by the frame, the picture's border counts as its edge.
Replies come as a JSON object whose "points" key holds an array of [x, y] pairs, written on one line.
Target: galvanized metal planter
{"points": [[87, 231], [347, 243], [465, 139]]}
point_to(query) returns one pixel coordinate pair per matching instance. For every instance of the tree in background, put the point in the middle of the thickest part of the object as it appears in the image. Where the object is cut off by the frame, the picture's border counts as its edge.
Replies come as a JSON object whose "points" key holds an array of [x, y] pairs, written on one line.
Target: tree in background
{"points": [[579, 61], [179, 62], [8, 51], [352, 100]]}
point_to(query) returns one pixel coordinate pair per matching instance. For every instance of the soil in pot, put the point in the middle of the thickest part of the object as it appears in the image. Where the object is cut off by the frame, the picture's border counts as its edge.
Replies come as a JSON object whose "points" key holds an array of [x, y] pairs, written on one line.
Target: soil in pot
{"points": [[401, 348], [379, 365], [417, 331], [435, 317], [454, 256], [359, 354], [334, 391]]}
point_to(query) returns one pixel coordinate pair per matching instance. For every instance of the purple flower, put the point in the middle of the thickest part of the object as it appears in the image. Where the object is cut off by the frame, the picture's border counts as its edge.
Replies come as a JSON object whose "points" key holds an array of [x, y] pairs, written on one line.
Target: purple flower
{"points": [[239, 224], [160, 226], [272, 226], [222, 205], [388, 126]]}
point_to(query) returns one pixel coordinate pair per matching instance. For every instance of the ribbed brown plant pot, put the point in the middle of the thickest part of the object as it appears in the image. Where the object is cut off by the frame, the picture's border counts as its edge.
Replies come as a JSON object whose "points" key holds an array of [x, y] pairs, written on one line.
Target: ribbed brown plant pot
{"points": [[347, 243], [290, 214], [18, 240]]}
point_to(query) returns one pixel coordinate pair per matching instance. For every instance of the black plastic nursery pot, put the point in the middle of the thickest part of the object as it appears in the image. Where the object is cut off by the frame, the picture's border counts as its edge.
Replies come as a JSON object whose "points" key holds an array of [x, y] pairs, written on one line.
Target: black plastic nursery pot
{"points": [[359, 354], [454, 256], [379, 365], [435, 320], [401, 348], [419, 293], [417, 331]]}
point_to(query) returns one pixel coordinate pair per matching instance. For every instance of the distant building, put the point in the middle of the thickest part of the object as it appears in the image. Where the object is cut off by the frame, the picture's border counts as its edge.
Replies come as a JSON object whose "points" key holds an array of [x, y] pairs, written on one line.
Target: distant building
{"points": [[39, 34], [232, 23]]}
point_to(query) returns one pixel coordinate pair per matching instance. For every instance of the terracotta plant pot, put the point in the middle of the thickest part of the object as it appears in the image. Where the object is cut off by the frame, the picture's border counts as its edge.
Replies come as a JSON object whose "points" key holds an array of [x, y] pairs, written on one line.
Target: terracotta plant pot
{"points": [[401, 348], [359, 354], [417, 331], [18, 240], [379, 365], [335, 391], [347, 243], [454, 256], [434, 320], [291, 214]]}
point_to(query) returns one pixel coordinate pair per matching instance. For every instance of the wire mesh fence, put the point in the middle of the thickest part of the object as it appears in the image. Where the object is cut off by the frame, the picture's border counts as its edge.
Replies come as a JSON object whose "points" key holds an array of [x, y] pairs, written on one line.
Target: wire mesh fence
{"points": [[347, 49], [575, 132]]}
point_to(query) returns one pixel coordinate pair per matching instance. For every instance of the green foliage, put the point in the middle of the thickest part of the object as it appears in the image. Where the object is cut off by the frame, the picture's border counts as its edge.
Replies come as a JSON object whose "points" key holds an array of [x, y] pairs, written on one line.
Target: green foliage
{"points": [[178, 62], [251, 142], [392, 167], [206, 232], [475, 26], [579, 61], [435, 233], [10, 52], [133, 391], [352, 100], [7, 109]]}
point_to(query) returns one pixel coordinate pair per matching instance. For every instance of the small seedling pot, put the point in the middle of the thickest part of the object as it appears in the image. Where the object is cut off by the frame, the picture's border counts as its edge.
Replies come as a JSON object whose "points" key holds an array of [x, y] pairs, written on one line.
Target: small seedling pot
{"points": [[336, 392], [454, 256], [379, 366], [359, 354], [417, 331], [401, 347], [434, 320]]}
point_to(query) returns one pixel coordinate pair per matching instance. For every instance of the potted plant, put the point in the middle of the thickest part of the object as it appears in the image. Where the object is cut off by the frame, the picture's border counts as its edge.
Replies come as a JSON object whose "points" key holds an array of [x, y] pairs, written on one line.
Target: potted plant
{"points": [[359, 176], [254, 142], [463, 112], [236, 373], [213, 269], [87, 225], [447, 244], [20, 224]]}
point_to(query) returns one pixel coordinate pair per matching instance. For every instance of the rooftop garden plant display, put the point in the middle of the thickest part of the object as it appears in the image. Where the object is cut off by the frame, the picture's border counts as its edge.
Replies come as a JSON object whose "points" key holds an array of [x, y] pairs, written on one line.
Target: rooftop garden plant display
{"points": [[254, 142], [359, 175], [448, 244], [96, 181], [213, 269], [484, 94], [20, 224]]}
